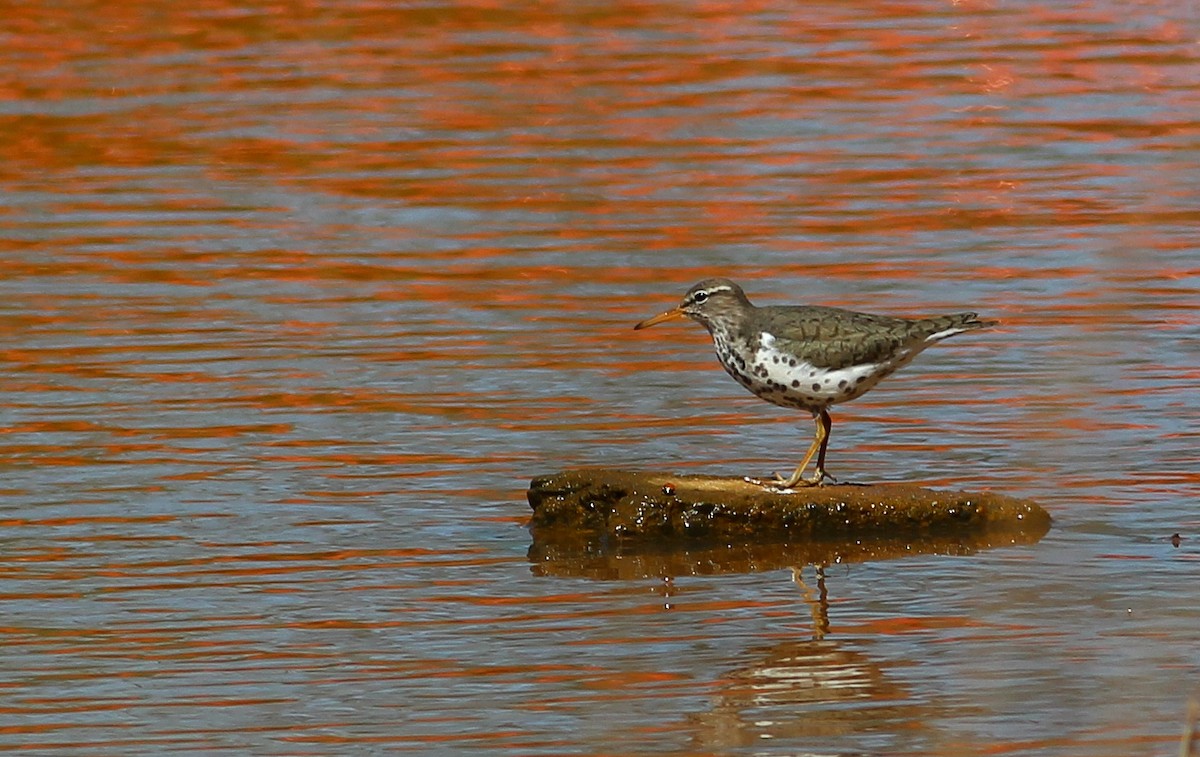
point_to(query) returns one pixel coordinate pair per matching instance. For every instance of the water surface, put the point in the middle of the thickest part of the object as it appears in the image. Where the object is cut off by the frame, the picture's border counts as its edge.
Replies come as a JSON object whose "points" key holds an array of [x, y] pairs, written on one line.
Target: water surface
{"points": [[296, 300]]}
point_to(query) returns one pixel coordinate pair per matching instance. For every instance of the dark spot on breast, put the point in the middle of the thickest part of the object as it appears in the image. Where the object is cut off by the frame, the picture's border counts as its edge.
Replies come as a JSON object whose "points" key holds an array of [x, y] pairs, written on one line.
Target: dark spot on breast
{"points": [[816, 387], [795, 383], [842, 384]]}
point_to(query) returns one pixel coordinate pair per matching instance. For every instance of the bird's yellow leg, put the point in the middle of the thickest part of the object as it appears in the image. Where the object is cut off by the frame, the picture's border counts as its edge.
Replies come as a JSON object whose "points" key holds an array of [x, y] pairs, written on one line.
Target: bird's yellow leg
{"points": [[824, 423], [820, 441]]}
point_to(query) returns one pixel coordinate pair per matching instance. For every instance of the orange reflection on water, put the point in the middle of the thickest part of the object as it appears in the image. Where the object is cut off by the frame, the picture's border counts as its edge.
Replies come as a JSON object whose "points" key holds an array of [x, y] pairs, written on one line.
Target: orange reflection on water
{"points": [[298, 297]]}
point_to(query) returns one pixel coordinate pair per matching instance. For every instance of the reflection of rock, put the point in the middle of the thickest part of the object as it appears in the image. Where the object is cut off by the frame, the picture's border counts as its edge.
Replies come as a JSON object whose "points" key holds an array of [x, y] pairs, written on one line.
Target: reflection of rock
{"points": [[633, 505], [571, 553], [805, 690]]}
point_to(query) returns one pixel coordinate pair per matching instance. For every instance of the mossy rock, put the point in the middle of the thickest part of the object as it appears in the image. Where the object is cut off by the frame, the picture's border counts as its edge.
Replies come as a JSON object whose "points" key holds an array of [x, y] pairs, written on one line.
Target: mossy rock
{"points": [[634, 506]]}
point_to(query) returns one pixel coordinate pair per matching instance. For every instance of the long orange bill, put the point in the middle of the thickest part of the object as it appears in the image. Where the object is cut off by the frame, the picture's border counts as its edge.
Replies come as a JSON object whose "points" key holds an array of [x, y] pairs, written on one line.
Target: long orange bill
{"points": [[670, 314]]}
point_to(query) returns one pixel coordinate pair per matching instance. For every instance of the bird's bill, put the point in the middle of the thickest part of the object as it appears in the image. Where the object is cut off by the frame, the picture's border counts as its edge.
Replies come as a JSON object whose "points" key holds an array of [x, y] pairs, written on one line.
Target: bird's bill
{"points": [[667, 316]]}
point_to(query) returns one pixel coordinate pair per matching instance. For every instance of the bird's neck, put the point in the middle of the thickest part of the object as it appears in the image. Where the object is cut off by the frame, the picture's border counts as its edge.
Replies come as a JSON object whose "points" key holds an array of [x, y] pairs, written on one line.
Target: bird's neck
{"points": [[723, 331]]}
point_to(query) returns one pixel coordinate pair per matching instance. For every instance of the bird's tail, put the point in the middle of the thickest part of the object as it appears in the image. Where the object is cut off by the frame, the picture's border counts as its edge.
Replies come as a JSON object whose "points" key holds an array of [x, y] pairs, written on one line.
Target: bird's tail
{"points": [[948, 325]]}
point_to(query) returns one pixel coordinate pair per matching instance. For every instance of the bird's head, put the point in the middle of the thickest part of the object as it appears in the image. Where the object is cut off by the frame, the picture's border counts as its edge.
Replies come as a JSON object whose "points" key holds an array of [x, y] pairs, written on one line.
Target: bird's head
{"points": [[712, 301]]}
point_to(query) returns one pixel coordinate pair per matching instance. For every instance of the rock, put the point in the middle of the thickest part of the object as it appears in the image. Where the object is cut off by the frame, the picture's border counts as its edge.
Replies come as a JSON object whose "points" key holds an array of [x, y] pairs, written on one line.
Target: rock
{"points": [[632, 506]]}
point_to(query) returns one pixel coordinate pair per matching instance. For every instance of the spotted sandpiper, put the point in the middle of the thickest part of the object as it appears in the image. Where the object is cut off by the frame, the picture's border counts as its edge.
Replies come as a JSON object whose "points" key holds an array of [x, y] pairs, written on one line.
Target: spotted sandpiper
{"points": [[808, 356]]}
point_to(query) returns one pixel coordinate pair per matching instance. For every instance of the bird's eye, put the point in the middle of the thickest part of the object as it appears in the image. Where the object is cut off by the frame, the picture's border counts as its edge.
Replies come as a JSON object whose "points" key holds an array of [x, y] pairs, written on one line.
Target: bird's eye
{"points": [[700, 297]]}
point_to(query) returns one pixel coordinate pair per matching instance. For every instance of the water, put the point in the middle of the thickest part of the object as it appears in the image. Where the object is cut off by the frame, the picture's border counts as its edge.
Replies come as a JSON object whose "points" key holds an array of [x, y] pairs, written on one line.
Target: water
{"points": [[297, 299]]}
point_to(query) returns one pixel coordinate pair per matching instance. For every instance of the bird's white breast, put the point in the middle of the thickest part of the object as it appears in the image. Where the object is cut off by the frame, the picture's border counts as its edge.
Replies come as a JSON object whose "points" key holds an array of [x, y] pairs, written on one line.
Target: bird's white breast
{"points": [[790, 381]]}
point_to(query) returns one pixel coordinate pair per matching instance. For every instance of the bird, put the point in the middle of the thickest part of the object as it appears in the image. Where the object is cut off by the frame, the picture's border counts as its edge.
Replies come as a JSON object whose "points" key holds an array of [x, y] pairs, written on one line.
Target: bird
{"points": [[808, 357]]}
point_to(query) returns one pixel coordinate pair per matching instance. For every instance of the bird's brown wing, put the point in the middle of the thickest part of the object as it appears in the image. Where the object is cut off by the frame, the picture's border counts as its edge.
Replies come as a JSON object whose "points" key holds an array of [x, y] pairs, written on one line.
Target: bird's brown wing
{"points": [[834, 338]]}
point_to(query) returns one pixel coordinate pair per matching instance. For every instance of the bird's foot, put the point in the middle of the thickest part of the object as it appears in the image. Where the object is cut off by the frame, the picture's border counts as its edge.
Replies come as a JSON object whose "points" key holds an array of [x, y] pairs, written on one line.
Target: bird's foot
{"points": [[778, 484], [782, 485], [774, 487], [822, 476], [796, 479]]}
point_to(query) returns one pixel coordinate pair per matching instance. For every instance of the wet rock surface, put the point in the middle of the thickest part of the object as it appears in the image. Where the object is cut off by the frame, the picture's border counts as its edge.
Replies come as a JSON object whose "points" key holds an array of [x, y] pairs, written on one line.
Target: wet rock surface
{"points": [[635, 506]]}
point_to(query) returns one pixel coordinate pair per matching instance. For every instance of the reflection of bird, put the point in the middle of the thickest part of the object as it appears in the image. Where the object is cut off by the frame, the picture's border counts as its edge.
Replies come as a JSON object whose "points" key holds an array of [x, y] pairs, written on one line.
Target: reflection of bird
{"points": [[808, 356]]}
